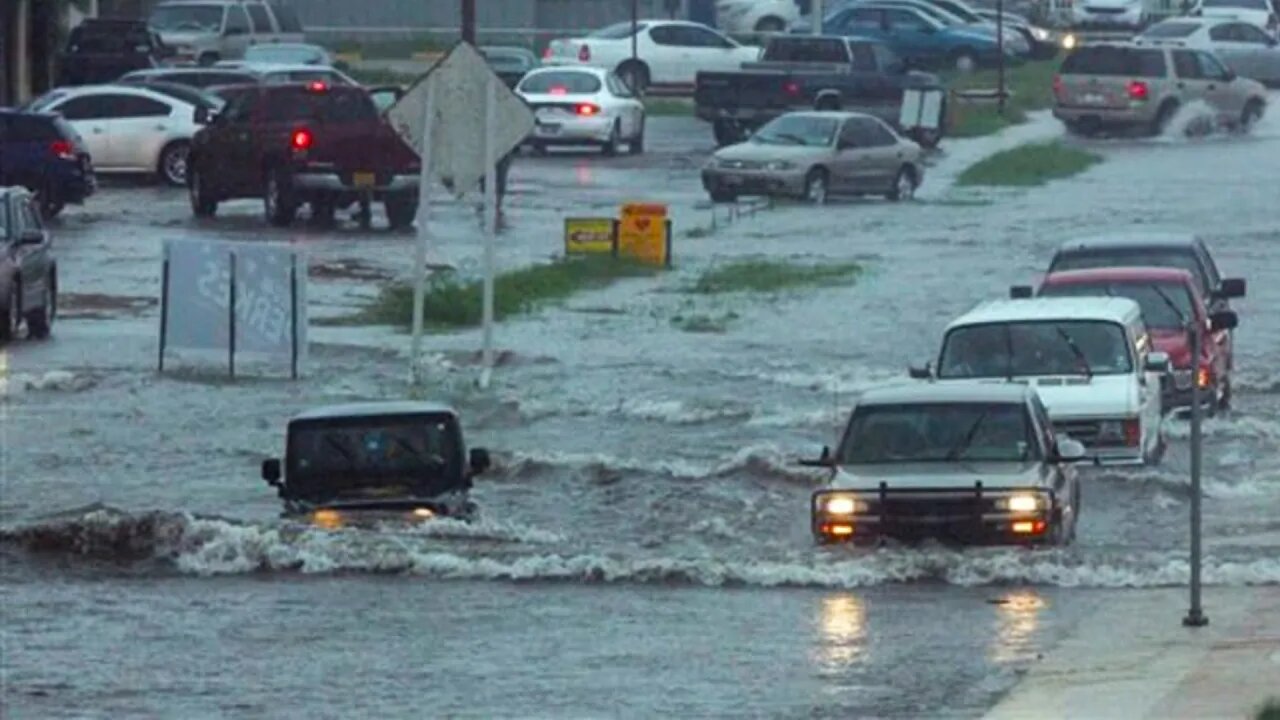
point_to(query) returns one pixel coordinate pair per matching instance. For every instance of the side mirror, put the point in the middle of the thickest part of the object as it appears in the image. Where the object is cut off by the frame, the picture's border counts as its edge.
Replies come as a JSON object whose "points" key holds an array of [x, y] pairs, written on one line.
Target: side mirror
{"points": [[1157, 362], [920, 373], [271, 472], [1223, 320], [824, 460], [30, 237], [1020, 292], [479, 460], [1230, 288], [1070, 450]]}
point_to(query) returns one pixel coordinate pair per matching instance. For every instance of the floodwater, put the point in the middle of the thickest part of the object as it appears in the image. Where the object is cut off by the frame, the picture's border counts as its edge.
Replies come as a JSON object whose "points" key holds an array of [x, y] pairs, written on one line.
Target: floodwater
{"points": [[643, 548]]}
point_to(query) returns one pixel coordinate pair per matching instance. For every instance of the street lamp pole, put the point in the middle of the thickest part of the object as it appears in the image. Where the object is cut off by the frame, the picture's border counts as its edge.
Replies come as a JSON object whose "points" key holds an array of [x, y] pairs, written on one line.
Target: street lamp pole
{"points": [[1195, 616], [635, 27], [816, 21]]}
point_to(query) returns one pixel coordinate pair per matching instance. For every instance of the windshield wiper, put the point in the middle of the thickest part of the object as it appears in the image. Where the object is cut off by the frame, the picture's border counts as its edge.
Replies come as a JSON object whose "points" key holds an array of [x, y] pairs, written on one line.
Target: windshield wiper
{"points": [[793, 139], [333, 443], [955, 452], [1172, 305], [1075, 350], [432, 463]]}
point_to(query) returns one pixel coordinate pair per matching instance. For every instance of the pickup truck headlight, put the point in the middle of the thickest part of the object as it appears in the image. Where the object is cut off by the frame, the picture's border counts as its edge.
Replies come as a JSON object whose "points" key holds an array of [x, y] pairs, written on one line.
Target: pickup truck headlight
{"points": [[1022, 503], [779, 165], [843, 505]]}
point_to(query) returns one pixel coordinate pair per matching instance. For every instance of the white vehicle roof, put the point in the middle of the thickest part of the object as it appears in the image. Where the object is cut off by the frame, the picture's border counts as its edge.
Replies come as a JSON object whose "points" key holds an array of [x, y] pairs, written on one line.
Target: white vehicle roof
{"points": [[374, 409], [830, 114], [1111, 309], [71, 91], [959, 391]]}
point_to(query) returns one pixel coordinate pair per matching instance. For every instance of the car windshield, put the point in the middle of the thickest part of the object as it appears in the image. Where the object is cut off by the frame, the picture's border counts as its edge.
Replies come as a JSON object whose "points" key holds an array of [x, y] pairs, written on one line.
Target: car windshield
{"points": [[1165, 305], [616, 32], [374, 457], [1109, 61], [561, 82], [284, 55], [797, 130], [1170, 29], [938, 432], [1242, 4], [1131, 257], [186, 18], [1035, 348]]}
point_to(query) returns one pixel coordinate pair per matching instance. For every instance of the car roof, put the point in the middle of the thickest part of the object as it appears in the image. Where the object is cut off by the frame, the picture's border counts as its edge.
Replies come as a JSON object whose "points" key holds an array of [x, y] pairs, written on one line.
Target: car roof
{"points": [[1120, 274], [373, 409], [959, 391], [71, 91], [1112, 309], [1121, 240]]}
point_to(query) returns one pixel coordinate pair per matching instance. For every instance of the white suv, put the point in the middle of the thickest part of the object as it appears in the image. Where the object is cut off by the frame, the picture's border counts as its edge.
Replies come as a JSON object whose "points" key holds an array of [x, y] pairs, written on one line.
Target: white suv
{"points": [[1090, 360]]}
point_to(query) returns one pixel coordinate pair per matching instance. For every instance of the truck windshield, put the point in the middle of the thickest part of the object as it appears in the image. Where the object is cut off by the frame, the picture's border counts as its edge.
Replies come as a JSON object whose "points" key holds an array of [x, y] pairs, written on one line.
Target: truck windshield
{"points": [[374, 457], [187, 18], [1035, 348], [1165, 305], [797, 130], [938, 432], [1131, 257]]}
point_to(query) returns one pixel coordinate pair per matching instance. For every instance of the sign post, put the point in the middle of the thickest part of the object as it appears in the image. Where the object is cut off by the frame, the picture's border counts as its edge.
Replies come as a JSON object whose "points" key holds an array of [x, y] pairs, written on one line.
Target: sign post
{"points": [[423, 236], [1195, 615], [816, 22], [490, 225]]}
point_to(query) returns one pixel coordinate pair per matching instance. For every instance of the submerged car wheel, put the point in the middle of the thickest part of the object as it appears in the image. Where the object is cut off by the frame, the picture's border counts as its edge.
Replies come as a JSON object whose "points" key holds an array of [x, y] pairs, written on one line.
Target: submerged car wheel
{"points": [[815, 186], [11, 317], [610, 147], [904, 185], [277, 200], [1251, 115], [637, 143], [40, 320], [202, 205]]}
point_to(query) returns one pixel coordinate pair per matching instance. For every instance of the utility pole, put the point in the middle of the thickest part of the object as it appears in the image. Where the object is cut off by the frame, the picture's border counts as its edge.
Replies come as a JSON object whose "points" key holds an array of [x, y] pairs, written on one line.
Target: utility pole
{"points": [[469, 21], [1195, 616]]}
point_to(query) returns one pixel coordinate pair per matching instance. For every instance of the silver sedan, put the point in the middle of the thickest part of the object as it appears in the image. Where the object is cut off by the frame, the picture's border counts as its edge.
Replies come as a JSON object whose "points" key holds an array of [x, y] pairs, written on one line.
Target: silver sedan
{"points": [[582, 106], [811, 155]]}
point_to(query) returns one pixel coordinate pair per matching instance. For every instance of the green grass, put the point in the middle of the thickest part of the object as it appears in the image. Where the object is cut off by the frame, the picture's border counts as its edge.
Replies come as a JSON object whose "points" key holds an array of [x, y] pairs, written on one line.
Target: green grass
{"points": [[1269, 711], [1028, 165], [668, 106], [1030, 87], [454, 303], [396, 49], [771, 276]]}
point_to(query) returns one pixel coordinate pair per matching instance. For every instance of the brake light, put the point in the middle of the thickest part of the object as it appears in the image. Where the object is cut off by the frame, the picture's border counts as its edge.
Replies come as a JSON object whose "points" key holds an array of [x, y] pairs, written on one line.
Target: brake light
{"points": [[1029, 527], [546, 54], [301, 140], [317, 86], [1204, 376], [63, 150], [584, 53], [1132, 432], [791, 88], [1057, 86], [1138, 90], [588, 109]]}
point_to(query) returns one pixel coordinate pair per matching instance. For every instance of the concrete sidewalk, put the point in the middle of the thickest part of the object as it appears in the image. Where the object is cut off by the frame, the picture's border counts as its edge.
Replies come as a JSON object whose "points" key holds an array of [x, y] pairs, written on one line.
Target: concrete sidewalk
{"points": [[1134, 660]]}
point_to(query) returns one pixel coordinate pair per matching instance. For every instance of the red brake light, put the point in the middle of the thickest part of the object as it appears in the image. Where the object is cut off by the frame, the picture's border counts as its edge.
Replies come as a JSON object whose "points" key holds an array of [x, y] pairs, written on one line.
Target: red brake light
{"points": [[1204, 377], [62, 149], [1132, 432], [792, 88], [301, 139], [588, 109], [558, 90], [1138, 90], [546, 54], [317, 86], [584, 53]]}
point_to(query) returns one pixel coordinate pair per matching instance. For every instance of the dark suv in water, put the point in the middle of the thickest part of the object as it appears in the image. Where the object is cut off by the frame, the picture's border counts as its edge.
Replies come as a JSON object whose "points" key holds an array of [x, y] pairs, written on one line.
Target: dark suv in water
{"points": [[43, 153]]}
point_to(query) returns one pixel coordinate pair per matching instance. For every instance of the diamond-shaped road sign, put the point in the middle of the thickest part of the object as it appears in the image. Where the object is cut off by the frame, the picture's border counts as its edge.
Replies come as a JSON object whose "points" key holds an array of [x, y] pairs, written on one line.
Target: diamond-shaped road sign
{"points": [[461, 86]]}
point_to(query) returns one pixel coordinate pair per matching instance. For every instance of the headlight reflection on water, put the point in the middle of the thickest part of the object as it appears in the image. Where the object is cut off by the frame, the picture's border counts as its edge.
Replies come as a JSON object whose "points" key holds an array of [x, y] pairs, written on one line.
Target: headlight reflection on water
{"points": [[843, 631], [1017, 620]]}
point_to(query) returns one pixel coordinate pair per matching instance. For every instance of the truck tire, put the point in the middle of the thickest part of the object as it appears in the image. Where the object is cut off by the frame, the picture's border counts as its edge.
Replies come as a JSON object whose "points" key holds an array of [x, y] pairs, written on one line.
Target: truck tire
{"points": [[48, 199], [1162, 118], [830, 101], [401, 210], [11, 313], [278, 202], [726, 132], [635, 75], [723, 195], [202, 203]]}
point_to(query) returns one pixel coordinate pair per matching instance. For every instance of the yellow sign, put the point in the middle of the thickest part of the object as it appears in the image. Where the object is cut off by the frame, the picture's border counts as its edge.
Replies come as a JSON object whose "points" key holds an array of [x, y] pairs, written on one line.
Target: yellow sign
{"points": [[644, 233], [589, 236]]}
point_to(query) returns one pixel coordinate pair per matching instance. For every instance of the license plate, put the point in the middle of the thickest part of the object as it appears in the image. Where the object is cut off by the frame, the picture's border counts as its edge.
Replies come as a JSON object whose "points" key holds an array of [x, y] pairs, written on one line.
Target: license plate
{"points": [[548, 128], [363, 179], [1092, 99]]}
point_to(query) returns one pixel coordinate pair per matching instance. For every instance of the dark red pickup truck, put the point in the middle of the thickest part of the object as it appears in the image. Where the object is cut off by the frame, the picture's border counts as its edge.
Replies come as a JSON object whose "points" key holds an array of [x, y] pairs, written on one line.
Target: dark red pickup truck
{"points": [[326, 146]]}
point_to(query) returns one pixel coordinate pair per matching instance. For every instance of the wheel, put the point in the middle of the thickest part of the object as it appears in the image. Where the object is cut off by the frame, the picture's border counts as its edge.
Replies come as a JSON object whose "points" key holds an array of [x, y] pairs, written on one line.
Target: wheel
{"points": [[637, 143], [40, 320], [175, 163], [815, 186], [1163, 116], [635, 74], [726, 132], [1224, 402], [904, 185], [723, 195], [610, 147], [322, 212], [1083, 128], [401, 211], [49, 201], [964, 60], [202, 203], [278, 202], [1251, 115], [770, 25], [11, 317]]}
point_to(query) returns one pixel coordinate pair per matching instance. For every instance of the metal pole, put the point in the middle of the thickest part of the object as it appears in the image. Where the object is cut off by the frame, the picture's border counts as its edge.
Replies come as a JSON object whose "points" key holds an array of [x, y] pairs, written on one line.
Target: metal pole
{"points": [[816, 22], [469, 21], [164, 308], [490, 223], [293, 321], [420, 255], [635, 29], [1195, 616], [231, 344], [1000, 92]]}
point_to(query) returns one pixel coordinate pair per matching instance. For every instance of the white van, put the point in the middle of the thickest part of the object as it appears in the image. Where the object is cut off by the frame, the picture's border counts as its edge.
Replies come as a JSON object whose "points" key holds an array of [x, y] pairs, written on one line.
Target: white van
{"points": [[1089, 358]]}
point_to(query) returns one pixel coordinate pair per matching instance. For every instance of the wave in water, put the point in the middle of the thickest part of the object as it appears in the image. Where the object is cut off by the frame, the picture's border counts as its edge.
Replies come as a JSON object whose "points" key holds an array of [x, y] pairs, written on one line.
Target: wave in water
{"points": [[767, 461]]}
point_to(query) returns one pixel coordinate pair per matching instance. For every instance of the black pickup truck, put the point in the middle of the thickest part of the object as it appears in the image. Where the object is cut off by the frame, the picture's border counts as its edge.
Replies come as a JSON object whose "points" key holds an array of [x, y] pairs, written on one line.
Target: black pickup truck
{"points": [[811, 73]]}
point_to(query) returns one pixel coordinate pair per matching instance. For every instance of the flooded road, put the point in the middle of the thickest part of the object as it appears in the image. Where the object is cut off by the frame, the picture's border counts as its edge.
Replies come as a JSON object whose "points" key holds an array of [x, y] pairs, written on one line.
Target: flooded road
{"points": [[644, 545]]}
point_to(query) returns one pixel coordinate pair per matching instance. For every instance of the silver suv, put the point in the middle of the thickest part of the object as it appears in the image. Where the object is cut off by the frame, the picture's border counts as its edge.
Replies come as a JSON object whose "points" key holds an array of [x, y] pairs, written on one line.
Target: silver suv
{"points": [[206, 31], [1127, 85]]}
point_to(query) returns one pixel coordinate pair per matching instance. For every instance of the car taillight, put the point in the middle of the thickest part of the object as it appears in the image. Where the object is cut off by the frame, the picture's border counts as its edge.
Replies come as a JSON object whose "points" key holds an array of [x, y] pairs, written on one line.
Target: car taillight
{"points": [[791, 88], [63, 150], [584, 53], [1057, 86], [546, 54], [1138, 90], [301, 140], [1132, 432], [317, 86], [1204, 376], [588, 109]]}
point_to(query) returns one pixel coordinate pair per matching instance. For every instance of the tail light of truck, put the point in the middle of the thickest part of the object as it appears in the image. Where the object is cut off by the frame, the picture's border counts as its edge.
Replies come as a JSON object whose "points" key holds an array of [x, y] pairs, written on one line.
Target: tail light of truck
{"points": [[1138, 90], [301, 140], [1204, 376], [317, 86], [791, 88], [62, 150], [584, 53], [1132, 432], [587, 109]]}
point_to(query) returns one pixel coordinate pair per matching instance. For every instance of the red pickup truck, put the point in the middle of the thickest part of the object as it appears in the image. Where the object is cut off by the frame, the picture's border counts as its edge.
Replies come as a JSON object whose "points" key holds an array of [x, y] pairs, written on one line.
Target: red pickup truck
{"points": [[325, 146]]}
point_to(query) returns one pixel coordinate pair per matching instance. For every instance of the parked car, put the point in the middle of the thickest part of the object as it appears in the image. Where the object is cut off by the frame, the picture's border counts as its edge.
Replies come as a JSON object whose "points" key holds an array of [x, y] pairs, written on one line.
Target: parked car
{"points": [[206, 31], [1126, 85], [509, 62], [581, 106], [28, 269], [43, 153], [915, 35], [743, 17], [326, 146], [99, 51], [282, 54], [1045, 42], [798, 72], [1261, 13], [958, 15], [191, 76], [1087, 358], [279, 74], [1109, 14], [129, 128], [1248, 50], [668, 52], [974, 462], [1171, 307], [192, 96], [814, 154], [368, 463]]}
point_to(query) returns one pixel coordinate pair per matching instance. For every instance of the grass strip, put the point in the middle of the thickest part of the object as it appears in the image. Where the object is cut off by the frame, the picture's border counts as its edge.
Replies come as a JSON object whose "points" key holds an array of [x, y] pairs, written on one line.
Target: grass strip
{"points": [[771, 276], [1030, 87], [1028, 165]]}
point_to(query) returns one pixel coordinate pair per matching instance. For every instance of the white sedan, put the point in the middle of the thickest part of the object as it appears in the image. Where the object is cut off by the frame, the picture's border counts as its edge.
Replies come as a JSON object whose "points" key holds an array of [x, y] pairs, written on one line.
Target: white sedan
{"points": [[1258, 12], [743, 17], [582, 106], [129, 128], [667, 52], [1243, 46]]}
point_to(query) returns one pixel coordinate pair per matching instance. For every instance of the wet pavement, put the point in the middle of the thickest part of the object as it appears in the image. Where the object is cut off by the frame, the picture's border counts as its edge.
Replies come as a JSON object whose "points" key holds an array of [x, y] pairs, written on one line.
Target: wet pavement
{"points": [[643, 548]]}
